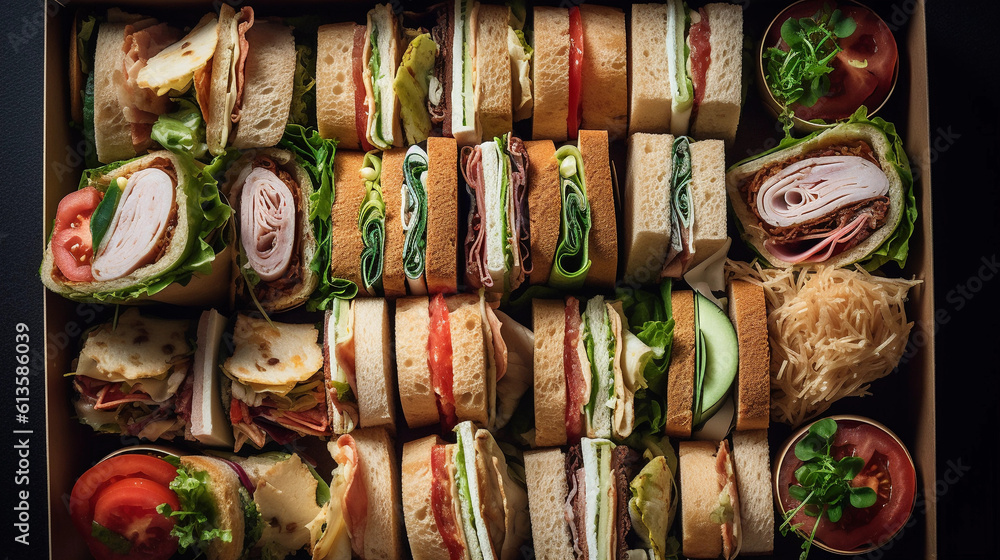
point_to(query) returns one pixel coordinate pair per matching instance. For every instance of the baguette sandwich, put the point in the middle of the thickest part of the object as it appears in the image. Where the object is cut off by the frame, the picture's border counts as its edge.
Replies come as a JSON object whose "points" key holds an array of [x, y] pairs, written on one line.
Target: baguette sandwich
{"points": [[497, 244], [420, 189], [675, 206], [579, 72], [686, 69], [710, 501], [143, 378], [460, 500], [600, 500], [575, 242], [271, 197], [458, 359], [356, 65], [134, 228], [834, 198], [587, 368]]}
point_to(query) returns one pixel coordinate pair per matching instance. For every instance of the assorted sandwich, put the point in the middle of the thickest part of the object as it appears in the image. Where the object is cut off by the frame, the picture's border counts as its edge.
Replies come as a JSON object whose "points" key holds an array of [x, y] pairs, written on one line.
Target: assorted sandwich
{"points": [[458, 359], [358, 220], [675, 205], [579, 72], [836, 197], [686, 69], [420, 190], [573, 243], [461, 500], [134, 228], [599, 500]]}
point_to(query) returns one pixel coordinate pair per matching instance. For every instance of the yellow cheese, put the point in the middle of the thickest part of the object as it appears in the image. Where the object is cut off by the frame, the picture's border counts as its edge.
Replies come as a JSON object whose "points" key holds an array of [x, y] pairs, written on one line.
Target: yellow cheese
{"points": [[269, 357], [173, 68]]}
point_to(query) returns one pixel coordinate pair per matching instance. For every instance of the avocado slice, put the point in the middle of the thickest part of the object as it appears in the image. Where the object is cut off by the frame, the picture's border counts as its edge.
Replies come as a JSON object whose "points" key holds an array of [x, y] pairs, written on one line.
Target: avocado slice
{"points": [[721, 357]]}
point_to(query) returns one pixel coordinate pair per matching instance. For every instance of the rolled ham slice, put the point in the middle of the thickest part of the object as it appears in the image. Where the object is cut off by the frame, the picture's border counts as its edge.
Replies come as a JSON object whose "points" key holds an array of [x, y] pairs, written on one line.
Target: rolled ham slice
{"points": [[829, 244], [267, 223], [814, 187], [139, 226]]}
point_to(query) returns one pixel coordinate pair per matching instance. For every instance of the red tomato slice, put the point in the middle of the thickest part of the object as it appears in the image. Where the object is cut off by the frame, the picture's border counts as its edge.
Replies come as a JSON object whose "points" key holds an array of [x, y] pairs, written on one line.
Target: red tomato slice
{"points": [[75, 208], [439, 357], [575, 73], [128, 507], [90, 488], [72, 244]]}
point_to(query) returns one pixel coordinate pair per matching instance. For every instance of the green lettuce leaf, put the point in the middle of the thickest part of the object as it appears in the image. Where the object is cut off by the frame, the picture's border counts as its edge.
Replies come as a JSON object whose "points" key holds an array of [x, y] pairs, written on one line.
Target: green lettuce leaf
{"points": [[572, 261], [253, 525], [415, 242], [650, 319], [303, 86], [87, 128], [182, 131], [375, 65], [315, 154], [195, 526], [896, 247], [100, 220], [371, 223], [115, 542]]}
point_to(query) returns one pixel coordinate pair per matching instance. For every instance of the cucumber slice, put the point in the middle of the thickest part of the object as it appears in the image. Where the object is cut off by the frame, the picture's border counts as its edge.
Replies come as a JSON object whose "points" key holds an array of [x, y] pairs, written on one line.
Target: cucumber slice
{"points": [[721, 356]]}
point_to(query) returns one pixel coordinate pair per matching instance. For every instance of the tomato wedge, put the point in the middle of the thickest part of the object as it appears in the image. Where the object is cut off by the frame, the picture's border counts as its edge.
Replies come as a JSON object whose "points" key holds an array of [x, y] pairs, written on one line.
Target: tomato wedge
{"points": [[72, 244], [121, 494], [575, 73]]}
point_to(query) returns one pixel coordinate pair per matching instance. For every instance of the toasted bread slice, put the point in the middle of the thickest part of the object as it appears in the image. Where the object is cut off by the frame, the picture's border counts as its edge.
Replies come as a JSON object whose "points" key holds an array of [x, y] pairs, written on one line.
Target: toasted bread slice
{"points": [[346, 243], [604, 85], [544, 207], [548, 319], [335, 91], [600, 194], [680, 374], [748, 313], [550, 72], [441, 268]]}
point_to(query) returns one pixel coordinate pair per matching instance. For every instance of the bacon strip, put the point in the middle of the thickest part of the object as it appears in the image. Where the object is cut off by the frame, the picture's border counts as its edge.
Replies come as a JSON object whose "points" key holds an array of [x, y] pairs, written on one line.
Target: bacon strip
{"points": [[476, 272], [355, 496], [267, 223], [245, 23], [139, 228]]}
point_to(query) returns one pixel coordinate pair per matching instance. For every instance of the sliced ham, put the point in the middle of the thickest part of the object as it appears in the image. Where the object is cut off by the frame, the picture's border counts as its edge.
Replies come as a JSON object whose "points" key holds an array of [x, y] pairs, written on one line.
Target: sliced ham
{"points": [[815, 187], [829, 244], [499, 346], [355, 496], [267, 223], [577, 388], [140, 226], [245, 23], [517, 212], [141, 106], [701, 55], [360, 89], [476, 272]]}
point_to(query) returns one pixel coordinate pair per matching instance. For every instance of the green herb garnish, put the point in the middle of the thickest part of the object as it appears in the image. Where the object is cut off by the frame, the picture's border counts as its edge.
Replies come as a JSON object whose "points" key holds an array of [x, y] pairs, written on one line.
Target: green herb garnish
{"points": [[824, 482], [115, 542], [801, 74]]}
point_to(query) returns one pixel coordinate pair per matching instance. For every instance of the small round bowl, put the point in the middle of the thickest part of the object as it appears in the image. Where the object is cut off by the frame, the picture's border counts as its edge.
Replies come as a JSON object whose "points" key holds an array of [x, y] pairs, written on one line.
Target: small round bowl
{"points": [[160, 451], [788, 452], [801, 125]]}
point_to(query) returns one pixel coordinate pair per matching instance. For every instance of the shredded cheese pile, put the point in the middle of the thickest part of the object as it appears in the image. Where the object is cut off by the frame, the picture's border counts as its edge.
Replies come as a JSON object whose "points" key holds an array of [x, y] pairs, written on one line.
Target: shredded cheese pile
{"points": [[832, 331]]}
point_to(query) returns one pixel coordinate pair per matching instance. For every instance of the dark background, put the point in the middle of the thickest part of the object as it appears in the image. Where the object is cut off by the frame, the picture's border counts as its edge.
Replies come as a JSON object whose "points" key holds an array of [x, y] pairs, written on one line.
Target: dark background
{"points": [[965, 120]]}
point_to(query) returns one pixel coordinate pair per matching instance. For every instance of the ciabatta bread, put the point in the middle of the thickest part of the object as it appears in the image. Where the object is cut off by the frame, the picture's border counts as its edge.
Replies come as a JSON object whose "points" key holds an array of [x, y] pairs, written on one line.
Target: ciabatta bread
{"points": [[416, 392], [468, 358], [545, 474], [268, 83], [548, 320], [421, 524], [335, 91]]}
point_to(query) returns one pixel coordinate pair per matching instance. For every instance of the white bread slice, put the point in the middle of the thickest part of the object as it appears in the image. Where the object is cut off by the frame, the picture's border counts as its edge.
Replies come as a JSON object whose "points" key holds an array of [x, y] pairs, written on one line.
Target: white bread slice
{"points": [[112, 133], [335, 114], [604, 84], [708, 191], [416, 392], [393, 275], [748, 313], [267, 93], [700, 537], [468, 358], [680, 374], [346, 243], [380, 473], [647, 205], [649, 77], [545, 474], [550, 73], [223, 488], [544, 207], [719, 112], [441, 262], [493, 71], [548, 320], [209, 424], [603, 247], [751, 460], [373, 363], [421, 526], [218, 123]]}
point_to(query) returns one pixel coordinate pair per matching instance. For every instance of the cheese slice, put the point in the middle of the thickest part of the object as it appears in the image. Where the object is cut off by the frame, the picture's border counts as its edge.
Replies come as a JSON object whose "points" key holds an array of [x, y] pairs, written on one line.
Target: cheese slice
{"points": [[273, 356], [286, 498], [173, 68], [138, 348]]}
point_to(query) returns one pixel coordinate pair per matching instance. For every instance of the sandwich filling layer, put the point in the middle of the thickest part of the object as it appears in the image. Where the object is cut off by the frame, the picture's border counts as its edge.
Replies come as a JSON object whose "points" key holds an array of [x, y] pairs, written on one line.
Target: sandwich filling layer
{"points": [[144, 39], [681, 86], [444, 501], [378, 76], [681, 250], [601, 344], [464, 125], [700, 55], [413, 216], [361, 109], [371, 223], [572, 257], [439, 355], [339, 366], [817, 205], [576, 365]]}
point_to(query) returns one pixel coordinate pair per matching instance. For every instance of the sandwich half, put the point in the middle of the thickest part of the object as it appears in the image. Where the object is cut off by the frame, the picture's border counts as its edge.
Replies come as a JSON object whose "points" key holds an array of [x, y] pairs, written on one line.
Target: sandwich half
{"points": [[358, 366], [274, 385], [497, 243], [675, 207], [382, 53], [580, 76], [271, 197], [358, 220], [460, 500], [601, 501], [751, 460], [134, 228], [710, 505], [748, 313]]}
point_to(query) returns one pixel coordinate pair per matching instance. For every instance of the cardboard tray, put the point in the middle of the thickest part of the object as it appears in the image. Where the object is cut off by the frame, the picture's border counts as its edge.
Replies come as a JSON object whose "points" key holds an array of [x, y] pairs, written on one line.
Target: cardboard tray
{"points": [[904, 400]]}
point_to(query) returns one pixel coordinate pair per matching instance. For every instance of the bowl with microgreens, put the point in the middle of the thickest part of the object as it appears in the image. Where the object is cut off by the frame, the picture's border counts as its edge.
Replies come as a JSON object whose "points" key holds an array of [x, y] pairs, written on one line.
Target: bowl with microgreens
{"points": [[820, 60], [844, 484]]}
